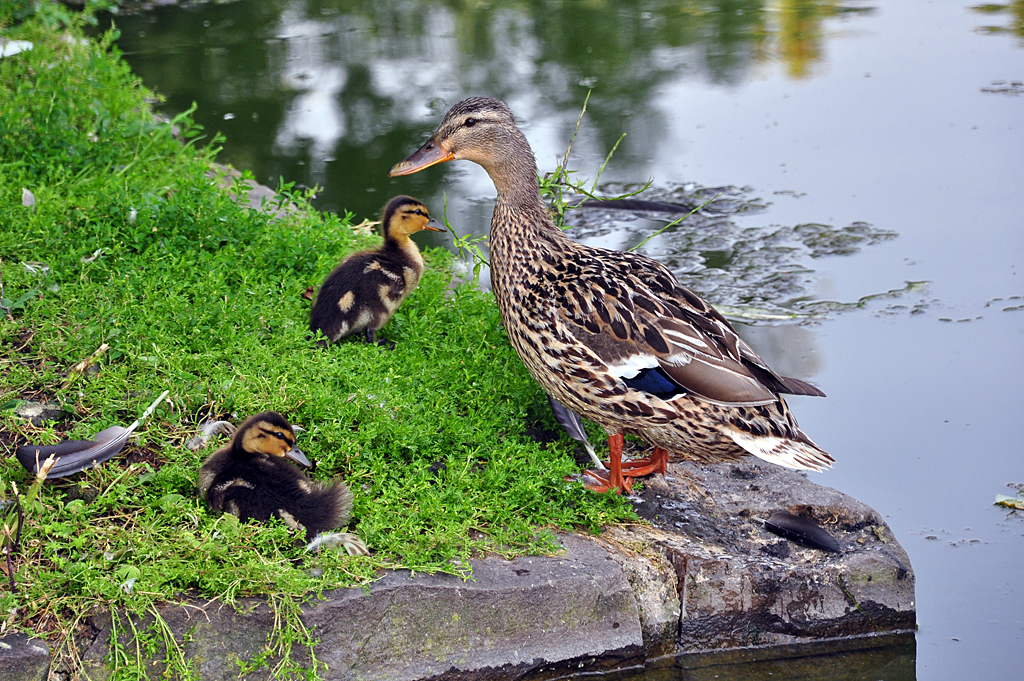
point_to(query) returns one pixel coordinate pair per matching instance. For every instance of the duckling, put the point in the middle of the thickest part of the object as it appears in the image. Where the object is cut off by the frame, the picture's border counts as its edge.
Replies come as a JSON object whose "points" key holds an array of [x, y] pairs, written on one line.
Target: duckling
{"points": [[367, 287], [250, 478]]}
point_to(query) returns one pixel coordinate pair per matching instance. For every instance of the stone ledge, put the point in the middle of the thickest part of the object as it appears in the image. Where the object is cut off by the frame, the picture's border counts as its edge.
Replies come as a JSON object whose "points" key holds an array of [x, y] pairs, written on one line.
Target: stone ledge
{"points": [[23, 658], [534, 616], [701, 579], [740, 585]]}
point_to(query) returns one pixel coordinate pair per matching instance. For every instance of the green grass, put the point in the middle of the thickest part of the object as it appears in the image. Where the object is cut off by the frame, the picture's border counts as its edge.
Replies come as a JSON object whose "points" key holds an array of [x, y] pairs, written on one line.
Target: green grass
{"points": [[132, 243]]}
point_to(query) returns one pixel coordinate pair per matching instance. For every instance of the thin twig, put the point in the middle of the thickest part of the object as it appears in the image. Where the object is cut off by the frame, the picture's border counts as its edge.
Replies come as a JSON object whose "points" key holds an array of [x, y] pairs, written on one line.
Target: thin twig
{"points": [[6, 309], [581, 190], [565, 160], [607, 159], [675, 222], [90, 360], [7, 555], [21, 517]]}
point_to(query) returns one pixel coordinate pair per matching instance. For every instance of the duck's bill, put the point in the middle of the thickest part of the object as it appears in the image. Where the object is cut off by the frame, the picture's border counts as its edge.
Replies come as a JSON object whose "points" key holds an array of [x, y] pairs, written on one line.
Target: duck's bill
{"points": [[296, 455], [434, 226], [429, 154]]}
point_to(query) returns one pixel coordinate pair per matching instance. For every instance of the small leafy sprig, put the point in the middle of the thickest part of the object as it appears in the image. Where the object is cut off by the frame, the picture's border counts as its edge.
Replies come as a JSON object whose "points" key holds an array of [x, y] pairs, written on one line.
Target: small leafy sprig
{"points": [[469, 245], [554, 187]]}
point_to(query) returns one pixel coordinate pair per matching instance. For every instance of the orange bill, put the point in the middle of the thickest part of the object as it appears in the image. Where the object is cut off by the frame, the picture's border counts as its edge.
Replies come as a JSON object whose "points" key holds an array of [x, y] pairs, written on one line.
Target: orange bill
{"points": [[429, 154]]}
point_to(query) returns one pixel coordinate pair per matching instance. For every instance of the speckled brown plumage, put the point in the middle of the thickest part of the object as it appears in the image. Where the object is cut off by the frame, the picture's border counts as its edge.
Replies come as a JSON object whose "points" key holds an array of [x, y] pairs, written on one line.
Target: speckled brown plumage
{"points": [[365, 289], [612, 335]]}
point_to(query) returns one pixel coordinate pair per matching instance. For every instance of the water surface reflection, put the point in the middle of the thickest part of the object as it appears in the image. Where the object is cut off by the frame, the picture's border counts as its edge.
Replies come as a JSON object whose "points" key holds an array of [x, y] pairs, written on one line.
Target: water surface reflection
{"points": [[336, 91]]}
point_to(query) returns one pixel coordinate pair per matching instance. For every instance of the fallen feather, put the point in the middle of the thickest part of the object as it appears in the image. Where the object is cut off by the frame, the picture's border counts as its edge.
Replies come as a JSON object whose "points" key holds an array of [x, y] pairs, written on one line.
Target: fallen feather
{"points": [[573, 426], [800, 530], [72, 456], [9, 48], [208, 430]]}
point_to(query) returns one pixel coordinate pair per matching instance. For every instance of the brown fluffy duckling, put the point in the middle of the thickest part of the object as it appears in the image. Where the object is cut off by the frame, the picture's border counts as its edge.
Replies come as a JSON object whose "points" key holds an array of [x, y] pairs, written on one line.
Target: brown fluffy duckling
{"points": [[367, 287], [251, 478]]}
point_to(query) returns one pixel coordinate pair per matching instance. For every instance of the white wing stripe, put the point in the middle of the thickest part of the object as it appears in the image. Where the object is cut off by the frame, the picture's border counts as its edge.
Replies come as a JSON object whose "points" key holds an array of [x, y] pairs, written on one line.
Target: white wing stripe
{"points": [[633, 365]]}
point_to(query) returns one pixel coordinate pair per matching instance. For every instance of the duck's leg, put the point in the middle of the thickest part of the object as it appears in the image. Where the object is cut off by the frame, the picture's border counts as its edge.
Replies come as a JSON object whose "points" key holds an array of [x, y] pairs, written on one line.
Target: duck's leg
{"points": [[657, 463], [615, 478], [371, 338], [603, 481]]}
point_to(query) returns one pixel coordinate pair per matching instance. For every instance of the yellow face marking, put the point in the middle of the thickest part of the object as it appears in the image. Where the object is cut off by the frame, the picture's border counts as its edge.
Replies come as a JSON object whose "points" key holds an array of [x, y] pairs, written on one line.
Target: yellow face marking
{"points": [[266, 438], [409, 219]]}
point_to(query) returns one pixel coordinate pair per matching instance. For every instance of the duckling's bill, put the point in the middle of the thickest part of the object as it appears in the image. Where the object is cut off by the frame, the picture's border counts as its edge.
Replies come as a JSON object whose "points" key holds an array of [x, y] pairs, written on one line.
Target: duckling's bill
{"points": [[296, 455], [434, 226], [431, 153]]}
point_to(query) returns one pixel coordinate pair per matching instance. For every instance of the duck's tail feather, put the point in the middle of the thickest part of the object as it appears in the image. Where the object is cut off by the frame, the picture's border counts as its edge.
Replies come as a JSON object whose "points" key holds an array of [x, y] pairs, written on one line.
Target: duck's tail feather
{"points": [[330, 504], [801, 455]]}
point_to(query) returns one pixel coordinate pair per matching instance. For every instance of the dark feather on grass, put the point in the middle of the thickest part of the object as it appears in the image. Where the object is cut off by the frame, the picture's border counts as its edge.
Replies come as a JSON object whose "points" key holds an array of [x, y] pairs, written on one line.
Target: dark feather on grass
{"points": [[73, 456], [569, 419]]}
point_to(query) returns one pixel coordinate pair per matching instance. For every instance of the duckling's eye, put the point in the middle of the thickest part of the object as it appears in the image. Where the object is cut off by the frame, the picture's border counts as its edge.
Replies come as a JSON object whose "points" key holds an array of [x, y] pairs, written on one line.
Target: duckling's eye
{"points": [[470, 122]]}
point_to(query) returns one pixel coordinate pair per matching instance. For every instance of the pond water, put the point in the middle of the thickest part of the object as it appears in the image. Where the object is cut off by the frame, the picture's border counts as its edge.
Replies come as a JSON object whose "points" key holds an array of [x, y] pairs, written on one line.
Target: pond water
{"points": [[861, 148]]}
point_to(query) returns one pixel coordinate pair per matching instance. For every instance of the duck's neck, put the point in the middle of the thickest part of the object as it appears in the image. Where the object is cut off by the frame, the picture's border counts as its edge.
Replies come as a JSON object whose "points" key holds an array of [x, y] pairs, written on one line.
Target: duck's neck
{"points": [[518, 204], [240, 453], [401, 243], [522, 231]]}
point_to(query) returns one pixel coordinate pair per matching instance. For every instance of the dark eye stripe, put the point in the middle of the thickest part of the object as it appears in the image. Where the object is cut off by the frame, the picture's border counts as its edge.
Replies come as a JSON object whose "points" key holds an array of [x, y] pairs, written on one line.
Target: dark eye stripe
{"points": [[278, 434]]}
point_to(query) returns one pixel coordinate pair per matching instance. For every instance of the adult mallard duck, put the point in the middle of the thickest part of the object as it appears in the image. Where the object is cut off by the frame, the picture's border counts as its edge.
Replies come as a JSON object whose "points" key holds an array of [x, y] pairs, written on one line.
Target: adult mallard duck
{"points": [[251, 478], [611, 335], [366, 288]]}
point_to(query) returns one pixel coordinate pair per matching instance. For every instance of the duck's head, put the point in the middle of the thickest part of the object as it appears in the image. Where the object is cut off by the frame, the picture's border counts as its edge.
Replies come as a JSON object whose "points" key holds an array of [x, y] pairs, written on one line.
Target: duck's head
{"points": [[269, 434], [405, 215], [478, 129]]}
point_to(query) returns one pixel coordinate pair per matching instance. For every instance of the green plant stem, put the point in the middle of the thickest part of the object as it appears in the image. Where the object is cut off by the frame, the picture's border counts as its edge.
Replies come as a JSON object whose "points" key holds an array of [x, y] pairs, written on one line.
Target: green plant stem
{"points": [[673, 223]]}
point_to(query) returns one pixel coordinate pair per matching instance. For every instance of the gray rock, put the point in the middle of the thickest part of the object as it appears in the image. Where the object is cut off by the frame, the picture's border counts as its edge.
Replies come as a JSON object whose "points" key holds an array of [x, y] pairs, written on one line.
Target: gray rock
{"points": [[258, 196], [740, 585], [23, 658], [38, 412], [654, 584], [512, 619]]}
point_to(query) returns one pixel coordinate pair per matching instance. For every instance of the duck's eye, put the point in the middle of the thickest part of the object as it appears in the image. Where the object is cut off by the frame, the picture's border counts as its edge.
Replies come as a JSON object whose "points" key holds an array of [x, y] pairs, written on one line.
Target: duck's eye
{"points": [[470, 122]]}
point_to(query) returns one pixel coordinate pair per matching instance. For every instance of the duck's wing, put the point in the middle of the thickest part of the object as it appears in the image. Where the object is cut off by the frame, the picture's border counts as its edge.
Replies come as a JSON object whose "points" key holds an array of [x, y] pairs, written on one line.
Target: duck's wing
{"points": [[657, 336], [663, 284]]}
